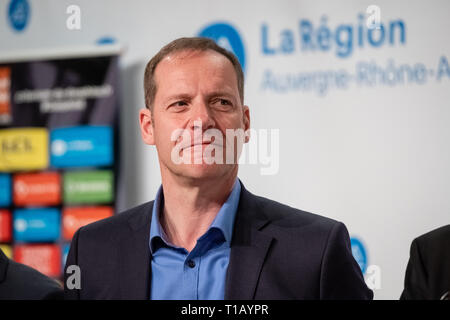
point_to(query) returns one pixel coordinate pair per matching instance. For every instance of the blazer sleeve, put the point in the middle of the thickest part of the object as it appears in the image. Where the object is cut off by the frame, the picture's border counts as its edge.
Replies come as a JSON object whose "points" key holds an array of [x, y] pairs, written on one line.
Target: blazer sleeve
{"points": [[72, 259], [341, 277], [415, 277]]}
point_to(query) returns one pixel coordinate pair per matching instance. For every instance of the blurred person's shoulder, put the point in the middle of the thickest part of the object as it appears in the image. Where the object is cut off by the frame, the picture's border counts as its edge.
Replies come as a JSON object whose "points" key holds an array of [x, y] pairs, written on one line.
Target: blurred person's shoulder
{"points": [[21, 282], [435, 239]]}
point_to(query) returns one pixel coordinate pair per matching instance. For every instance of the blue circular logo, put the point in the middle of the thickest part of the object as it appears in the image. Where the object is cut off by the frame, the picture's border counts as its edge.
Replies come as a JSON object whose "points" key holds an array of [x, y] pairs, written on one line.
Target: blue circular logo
{"points": [[18, 14], [359, 253], [227, 37], [106, 40]]}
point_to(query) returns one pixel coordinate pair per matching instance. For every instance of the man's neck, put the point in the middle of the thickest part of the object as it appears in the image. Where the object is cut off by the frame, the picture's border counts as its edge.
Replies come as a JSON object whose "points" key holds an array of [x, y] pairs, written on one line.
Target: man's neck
{"points": [[190, 206]]}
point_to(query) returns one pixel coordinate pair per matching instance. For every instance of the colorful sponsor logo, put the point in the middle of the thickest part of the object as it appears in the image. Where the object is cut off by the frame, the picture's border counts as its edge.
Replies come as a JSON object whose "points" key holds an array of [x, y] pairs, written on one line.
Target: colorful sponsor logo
{"points": [[5, 107], [82, 146], [23, 149], [106, 40], [5, 226], [46, 258], [37, 189], [5, 190], [65, 253], [18, 14], [6, 250], [77, 217], [35, 225], [88, 187], [359, 253]]}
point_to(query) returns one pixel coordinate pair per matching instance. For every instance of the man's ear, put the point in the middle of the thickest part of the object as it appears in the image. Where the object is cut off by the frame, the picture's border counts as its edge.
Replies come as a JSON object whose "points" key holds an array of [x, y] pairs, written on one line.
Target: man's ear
{"points": [[146, 125], [246, 119]]}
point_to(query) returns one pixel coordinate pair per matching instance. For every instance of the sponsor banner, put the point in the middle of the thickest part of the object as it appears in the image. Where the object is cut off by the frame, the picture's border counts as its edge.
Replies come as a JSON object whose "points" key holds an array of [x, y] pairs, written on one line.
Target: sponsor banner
{"points": [[23, 149], [5, 190], [5, 226], [77, 217], [81, 146], [37, 189], [46, 258], [58, 118], [36, 225], [88, 187], [6, 250]]}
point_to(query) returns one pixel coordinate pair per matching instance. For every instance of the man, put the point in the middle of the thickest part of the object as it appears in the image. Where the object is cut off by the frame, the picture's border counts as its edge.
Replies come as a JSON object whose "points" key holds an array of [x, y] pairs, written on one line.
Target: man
{"points": [[205, 236], [20, 282], [428, 272]]}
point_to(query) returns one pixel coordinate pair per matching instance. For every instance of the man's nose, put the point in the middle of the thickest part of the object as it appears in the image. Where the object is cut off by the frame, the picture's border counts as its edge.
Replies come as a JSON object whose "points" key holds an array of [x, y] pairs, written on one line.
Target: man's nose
{"points": [[202, 116]]}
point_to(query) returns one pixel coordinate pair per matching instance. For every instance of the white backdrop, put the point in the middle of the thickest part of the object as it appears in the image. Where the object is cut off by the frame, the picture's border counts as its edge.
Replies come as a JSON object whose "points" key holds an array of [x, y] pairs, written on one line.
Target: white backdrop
{"points": [[370, 149]]}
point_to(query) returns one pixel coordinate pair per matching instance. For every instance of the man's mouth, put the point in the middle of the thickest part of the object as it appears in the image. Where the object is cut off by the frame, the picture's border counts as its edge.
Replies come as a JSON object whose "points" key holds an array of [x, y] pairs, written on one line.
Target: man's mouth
{"points": [[204, 143]]}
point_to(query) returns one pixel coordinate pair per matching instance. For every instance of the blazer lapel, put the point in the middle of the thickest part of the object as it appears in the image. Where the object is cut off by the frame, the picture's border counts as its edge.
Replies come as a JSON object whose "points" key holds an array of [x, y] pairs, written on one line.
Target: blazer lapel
{"points": [[249, 247], [134, 255]]}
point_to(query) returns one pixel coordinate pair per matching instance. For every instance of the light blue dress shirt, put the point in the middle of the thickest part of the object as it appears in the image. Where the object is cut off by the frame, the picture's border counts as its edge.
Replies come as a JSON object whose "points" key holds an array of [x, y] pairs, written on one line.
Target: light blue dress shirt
{"points": [[197, 275]]}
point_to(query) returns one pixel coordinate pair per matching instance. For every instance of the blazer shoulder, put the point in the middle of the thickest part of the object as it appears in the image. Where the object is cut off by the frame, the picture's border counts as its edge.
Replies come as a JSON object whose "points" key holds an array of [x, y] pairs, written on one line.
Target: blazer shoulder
{"points": [[135, 216], [284, 215]]}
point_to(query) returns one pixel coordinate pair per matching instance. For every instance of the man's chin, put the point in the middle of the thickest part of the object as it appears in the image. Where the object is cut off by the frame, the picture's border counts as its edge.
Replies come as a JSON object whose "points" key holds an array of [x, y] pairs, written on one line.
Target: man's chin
{"points": [[201, 171]]}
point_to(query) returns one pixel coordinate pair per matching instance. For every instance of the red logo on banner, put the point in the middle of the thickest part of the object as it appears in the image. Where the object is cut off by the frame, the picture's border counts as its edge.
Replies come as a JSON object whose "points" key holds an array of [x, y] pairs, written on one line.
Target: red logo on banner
{"points": [[5, 226], [46, 258], [37, 189], [5, 83], [76, 217]]}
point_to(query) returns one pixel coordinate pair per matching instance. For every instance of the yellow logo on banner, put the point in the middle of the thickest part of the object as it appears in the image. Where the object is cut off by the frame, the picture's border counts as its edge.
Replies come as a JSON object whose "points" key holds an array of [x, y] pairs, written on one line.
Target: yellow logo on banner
{"points": [[6, 250], [23, 149]]}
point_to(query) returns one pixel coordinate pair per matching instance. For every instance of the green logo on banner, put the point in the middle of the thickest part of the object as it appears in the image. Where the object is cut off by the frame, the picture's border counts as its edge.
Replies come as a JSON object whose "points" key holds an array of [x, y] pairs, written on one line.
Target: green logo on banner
{"points": [[87, 187]]}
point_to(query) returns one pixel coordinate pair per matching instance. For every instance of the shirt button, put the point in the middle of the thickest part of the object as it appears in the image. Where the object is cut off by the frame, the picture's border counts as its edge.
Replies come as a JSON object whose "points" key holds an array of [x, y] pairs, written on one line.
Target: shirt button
{"points": [[191, 263]]}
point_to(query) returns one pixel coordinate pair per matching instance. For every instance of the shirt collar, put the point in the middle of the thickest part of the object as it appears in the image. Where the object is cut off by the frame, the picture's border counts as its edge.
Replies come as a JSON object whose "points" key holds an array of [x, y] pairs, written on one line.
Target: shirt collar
{"points": [[223, 221]]}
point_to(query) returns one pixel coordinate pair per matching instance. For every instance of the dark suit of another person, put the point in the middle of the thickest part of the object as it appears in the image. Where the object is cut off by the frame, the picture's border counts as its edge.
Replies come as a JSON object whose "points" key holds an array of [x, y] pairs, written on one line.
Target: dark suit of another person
{"points": [[428, 272], [20, 282], [277, 252]]}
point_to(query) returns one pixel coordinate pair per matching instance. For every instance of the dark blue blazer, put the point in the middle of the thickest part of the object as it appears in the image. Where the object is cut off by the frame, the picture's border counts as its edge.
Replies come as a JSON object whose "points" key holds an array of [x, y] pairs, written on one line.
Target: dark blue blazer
{"points": [[277, 252]]}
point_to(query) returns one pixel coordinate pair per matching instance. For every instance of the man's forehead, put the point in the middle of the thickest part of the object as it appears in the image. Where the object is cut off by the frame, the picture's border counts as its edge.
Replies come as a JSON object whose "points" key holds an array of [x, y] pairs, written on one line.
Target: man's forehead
{"points": [[171, 66], [207, 58], [180, 56]]}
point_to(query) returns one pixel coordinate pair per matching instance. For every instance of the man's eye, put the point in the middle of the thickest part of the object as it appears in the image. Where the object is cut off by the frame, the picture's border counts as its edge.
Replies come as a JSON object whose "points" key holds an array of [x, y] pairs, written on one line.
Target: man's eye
{"points": [[223, 102], [179, 104]]}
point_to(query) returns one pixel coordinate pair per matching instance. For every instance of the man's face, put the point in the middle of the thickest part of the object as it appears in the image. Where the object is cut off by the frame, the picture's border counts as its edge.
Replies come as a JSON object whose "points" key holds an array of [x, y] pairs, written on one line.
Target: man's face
{"points": [[197, 97]]}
